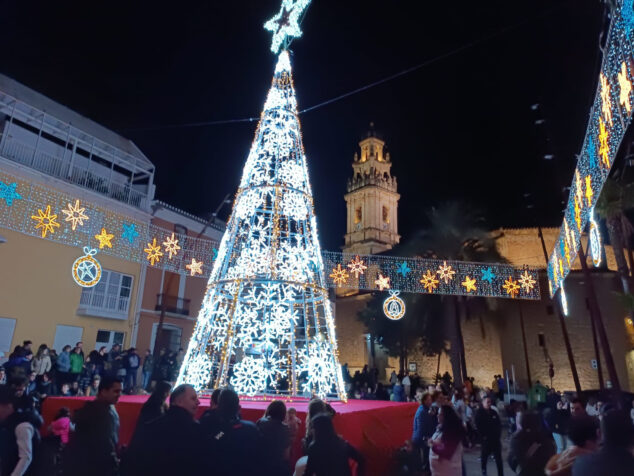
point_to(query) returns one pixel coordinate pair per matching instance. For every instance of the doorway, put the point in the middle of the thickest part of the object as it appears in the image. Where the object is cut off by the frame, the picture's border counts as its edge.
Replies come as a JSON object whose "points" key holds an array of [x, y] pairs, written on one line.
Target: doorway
{"points": [[169, 339]]}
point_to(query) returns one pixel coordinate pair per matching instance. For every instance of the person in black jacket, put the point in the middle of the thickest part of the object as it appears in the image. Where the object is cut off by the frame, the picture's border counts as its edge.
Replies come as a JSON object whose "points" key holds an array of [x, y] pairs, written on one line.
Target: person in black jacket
{"points": [[531, 446], [276, 438], [210, 421], [170, 444], [94, 445], [489, 428], [156, 405]]}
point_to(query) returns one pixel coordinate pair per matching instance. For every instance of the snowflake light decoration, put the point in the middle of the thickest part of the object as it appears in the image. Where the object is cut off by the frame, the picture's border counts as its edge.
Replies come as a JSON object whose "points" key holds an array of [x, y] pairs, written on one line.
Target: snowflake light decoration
{"points": [[199, 372], [511, 287], [171, 246], [47, 221], [339, 275], [154, 252], [429, 281], [75, 215], [357, 266], [445, 272], [249, 376], [319, 365]]}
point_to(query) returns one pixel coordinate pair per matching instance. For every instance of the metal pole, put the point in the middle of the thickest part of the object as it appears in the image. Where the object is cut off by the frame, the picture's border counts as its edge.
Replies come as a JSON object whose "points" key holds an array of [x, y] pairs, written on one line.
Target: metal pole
{"points": [[595, 342], [528, 367]]}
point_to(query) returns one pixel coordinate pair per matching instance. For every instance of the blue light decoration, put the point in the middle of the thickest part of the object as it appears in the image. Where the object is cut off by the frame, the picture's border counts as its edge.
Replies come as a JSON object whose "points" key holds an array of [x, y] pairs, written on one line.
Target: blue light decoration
{"points": [[609, 118], [403, 269], [8, 192], [488, 275], [129, 232]]}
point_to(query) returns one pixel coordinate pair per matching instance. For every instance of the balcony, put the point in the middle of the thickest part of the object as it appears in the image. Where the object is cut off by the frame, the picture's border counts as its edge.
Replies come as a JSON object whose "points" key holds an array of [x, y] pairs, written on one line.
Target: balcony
{"points": [[173, 304]]}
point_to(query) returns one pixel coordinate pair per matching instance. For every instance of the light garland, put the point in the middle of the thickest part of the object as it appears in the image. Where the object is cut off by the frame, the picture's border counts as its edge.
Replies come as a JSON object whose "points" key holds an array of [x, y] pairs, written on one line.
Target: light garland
{"points": [[596, 247], [563, 299], [610, 117]]}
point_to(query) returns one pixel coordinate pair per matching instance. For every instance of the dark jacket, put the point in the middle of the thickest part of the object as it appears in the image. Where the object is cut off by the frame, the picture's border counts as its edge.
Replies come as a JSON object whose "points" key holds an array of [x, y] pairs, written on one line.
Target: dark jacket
{"points": [[425, 423], [229, 446], [9, 455], [151, 410], [488, 425], [529, 452], [168, 445], [332, 459], [609, 461], [94, 443], [276, 440]]}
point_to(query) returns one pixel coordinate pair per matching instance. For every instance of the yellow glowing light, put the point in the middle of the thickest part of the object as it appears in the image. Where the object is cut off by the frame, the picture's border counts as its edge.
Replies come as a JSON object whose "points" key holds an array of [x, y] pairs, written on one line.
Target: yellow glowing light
{"points": [[527, 282], [629, 321], [171, 246], [511, 287], [339, 275], [104, 239], [579, 187], [46, 221], [589, 192], [357, 266], [429, 281], [75, 215], [382, 282], [561, 267], [567, 252], [606, 107], [195, 267], [578, 213], [445, 272], [469, 284], [153, 252], [604, 147], [625, 88]]}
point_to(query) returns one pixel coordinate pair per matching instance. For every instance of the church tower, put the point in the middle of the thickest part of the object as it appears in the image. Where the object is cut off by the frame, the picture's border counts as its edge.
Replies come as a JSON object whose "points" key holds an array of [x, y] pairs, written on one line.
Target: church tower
{"points": [[372, 200]]}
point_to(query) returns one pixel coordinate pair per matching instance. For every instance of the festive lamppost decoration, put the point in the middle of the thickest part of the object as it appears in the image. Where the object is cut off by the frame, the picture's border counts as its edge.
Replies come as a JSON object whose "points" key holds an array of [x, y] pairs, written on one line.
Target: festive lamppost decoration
{"points": [[595, 242], [394, 306], [47, 221], [75, 215], [86, 270]]}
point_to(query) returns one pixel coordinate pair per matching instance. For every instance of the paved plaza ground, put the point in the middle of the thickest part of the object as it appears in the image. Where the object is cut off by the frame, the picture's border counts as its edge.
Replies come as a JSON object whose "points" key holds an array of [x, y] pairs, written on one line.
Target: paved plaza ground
{"points": [[472, 460]]}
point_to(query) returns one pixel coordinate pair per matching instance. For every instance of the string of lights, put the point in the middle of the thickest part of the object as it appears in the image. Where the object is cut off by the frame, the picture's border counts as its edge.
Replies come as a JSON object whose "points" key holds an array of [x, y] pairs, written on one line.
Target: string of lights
{"points": [[610, 117]]}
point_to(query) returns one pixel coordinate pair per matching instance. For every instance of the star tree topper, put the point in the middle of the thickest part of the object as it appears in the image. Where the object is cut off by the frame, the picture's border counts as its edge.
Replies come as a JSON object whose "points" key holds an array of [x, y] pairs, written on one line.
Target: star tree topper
{"points": [[285, 24]]}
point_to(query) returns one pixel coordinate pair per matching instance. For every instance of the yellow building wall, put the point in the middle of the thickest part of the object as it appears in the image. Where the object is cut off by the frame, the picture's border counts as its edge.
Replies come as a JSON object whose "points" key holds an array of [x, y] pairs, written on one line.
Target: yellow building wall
{"points": [[37, 289]]}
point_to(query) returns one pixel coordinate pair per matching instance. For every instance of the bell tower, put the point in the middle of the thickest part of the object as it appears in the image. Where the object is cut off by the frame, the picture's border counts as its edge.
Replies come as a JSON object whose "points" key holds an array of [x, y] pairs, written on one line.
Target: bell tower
{"points": [[372, 200]]}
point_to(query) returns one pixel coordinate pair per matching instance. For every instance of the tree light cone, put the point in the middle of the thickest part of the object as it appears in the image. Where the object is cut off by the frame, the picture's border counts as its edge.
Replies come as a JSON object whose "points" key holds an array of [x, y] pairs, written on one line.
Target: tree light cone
{"points": [[266, 325]]}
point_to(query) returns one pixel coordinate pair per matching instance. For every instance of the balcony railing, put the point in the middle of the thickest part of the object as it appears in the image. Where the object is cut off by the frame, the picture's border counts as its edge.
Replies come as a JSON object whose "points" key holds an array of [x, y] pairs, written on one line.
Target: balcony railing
{"points": [[173, 304], [97, 304]]}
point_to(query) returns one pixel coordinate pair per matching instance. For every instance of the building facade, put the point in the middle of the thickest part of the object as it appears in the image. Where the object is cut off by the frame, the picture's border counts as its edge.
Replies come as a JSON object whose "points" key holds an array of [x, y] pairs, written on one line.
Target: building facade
{"points": [[62, 179]]}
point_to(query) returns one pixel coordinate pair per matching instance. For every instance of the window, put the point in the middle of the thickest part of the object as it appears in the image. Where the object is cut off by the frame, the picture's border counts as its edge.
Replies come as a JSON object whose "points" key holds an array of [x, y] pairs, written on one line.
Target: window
{"points": [[109, 338], [358, 215], [7, 326], [386, 215], [110, 298]]}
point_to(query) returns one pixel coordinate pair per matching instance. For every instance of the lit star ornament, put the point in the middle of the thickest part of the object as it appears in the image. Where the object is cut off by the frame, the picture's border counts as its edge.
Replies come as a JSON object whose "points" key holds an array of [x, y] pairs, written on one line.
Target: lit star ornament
{"points": [[153, 252], [339, 275], [589, 192], [75, 215], [511, 287], [445, 272], [429, 281], [606, 107], [171, 246], [527, 282], [488, 275], [8, 192], [357, 266], [382, 282], [604, 147], [129, 232], [104, 238], [625, 87], [285, 24], [469, 284], [46, 221], [195, 267]]}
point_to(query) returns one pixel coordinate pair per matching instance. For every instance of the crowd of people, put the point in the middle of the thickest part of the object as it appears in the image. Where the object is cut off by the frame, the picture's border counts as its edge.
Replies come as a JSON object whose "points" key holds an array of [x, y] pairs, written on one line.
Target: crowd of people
{"points": [[547, 434], [72, 373]]}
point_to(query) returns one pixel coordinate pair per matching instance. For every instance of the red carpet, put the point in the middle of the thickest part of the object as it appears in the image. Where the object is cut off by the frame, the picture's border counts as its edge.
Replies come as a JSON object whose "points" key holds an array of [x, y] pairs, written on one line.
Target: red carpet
{"points": [[376, 428]]}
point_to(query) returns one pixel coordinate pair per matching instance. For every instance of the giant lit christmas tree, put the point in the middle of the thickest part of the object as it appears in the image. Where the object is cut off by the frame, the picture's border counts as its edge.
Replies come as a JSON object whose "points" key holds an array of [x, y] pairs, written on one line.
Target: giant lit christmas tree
{"points": [[266, 325]]}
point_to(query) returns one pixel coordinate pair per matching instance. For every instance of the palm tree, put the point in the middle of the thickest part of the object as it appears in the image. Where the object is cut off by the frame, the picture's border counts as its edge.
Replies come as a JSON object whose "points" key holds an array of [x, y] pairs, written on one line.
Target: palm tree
{"points": [[457, 232]]}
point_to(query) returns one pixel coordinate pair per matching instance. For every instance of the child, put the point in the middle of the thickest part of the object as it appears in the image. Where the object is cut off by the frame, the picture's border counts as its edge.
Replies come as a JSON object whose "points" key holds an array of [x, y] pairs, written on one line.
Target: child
{"points": [[292, 422], [62, 425], [74, 389], [65, 391]]}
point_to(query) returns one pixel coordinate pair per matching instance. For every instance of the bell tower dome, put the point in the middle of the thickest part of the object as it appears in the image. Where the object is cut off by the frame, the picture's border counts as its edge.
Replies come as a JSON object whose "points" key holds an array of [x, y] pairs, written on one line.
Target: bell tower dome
{"points": [[372, 200]]}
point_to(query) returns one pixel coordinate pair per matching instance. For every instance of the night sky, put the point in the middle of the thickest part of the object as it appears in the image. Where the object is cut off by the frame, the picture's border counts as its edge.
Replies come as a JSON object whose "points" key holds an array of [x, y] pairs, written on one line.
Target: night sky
{"points": [[460, 127]]}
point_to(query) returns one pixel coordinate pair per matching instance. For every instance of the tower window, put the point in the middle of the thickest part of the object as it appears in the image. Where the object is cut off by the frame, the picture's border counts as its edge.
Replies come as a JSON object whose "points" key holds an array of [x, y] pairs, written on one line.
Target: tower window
{"points": [[358, 215], [386, 215]]}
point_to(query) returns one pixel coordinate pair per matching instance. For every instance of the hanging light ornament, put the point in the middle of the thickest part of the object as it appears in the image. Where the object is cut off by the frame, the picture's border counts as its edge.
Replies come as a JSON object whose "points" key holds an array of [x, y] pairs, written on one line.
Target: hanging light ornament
{"points": [[394, 306], [595, 242], [86, 269]]}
